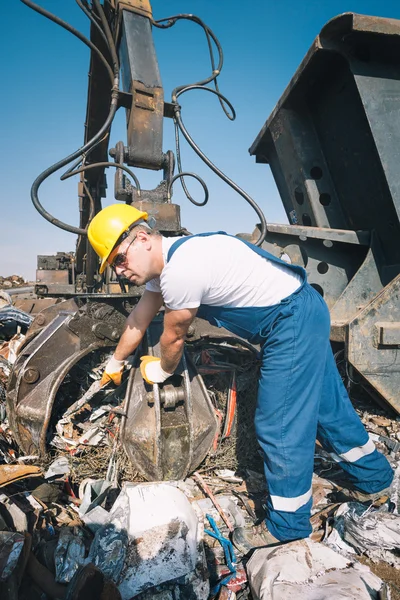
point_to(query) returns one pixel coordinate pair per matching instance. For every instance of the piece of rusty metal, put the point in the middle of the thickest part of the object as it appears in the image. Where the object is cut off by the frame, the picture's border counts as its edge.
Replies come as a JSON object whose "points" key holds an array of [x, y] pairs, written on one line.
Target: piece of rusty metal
{"points": [[377, 362], [331, 143], [35, 305], [31, 375], [40, 320], [219, 417], [169, 396], [142, 7], [168, 429], [11, 473], [52, 276], [52, 353], [167, 216], [45, 316], [206, 489], [142, 80]]}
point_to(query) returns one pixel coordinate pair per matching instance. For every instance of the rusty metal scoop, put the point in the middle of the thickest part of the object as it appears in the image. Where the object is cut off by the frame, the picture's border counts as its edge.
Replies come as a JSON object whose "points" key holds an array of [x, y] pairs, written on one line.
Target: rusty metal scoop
{"points": [[168, 429]]}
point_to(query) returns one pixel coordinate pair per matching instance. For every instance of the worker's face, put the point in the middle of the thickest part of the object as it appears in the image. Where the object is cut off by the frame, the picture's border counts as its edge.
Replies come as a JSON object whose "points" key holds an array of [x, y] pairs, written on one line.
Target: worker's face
{"points": [[139, 263]]}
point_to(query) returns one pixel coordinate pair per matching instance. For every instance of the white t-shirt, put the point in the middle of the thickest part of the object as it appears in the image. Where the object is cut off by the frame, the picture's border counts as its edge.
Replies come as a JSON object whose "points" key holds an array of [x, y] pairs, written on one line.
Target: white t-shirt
{"points": [[219, 270]]}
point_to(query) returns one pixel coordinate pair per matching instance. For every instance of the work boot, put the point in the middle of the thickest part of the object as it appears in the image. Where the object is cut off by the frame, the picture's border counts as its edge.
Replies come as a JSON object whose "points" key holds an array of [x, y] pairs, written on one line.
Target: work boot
{"points": [[253, 536], [358, 496]]}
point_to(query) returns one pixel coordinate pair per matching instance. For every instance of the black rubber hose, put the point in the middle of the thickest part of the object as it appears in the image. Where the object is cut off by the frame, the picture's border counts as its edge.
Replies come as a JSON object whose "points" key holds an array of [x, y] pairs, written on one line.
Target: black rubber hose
{"points": [[213, 167], [50, 170], [180, 175], [74, 32], [216, 72], [82, 158], [178, 148], [99, 135], [90, 16], [231, 116], [179, 164], [108, 34], [209, 35], [104, 164]]}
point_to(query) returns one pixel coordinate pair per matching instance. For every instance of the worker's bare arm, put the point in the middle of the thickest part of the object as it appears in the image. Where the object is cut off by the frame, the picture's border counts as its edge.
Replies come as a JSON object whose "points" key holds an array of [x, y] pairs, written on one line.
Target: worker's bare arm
{"points": [[176, 324], [137, 323]]}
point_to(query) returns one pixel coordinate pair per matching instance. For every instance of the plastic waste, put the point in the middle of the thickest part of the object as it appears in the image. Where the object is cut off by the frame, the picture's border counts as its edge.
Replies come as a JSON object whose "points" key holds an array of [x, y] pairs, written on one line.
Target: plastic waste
{"points": [[11, 320], [69, 554], [305, 570], [163, 541], [11, 545], [108, 551]]}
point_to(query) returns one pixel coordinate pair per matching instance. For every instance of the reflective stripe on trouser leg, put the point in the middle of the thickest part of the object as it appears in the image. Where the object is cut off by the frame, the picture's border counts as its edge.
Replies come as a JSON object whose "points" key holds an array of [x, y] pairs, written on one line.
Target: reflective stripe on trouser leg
{"points": [[291, 379], [341, 433]]}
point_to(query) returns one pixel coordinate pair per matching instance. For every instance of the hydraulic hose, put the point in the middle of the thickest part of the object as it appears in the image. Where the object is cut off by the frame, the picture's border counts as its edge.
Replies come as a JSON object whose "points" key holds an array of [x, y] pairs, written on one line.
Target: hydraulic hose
{"points": [[209, 35], [179, 126], [74, 32], [83, 152], [108, 34], [103, 130], [90, 16], [105, 164], [180, 175], [50, 170], [213, 167]]}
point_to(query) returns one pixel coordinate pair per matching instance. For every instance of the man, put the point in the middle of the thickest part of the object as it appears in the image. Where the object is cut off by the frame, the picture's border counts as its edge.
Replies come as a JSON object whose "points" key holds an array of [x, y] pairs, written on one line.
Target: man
{"points": [[243, 288]]}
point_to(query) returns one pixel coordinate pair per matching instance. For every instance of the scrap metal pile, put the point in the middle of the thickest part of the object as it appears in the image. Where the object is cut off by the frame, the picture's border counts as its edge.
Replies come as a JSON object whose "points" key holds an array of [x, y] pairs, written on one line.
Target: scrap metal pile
{"points": [[142, 491], [11, 281], [81, 522]]}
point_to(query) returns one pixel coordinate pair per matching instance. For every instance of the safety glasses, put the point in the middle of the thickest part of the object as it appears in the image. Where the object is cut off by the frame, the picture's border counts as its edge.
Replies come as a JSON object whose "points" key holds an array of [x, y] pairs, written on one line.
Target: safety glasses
{"points": [[119, 260]]}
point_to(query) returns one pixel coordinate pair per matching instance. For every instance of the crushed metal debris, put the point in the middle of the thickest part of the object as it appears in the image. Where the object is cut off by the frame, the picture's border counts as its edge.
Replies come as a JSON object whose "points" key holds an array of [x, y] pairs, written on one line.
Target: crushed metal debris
{"points": [[82, 517], [11, 281]]}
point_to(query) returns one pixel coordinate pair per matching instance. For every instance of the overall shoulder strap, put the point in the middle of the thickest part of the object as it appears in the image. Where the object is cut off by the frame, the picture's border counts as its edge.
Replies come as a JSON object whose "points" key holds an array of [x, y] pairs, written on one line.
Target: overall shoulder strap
{"points": [[255, 249], [274, 259], [184, 239]]}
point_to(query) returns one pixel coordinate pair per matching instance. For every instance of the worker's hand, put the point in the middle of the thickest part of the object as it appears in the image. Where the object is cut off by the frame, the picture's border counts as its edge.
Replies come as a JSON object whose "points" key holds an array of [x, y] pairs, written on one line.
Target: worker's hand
{"points": [[113, 371], [150, 368]]}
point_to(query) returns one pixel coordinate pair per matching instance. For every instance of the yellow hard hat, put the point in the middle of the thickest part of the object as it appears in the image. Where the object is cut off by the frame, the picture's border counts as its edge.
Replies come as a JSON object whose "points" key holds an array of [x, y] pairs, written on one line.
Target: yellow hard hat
{"points": [[108, 225]]}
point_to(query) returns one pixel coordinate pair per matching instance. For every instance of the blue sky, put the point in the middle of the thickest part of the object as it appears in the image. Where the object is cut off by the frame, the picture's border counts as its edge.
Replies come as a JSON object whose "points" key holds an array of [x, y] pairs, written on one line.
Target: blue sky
{"points": [[43, 105]]}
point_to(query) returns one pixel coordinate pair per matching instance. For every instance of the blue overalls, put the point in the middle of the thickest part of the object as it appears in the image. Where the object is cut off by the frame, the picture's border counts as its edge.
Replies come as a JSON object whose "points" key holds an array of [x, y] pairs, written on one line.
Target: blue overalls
{"points": [[301, 397]]}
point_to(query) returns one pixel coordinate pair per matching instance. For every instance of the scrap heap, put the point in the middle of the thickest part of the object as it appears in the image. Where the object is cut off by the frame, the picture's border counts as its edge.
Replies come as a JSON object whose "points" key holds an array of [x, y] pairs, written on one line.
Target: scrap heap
{"points": [[11, 281], [81, 522]]}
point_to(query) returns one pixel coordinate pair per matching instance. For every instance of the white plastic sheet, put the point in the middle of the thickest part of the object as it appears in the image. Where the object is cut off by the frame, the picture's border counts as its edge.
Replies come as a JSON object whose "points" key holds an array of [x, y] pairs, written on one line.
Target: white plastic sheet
{"points": [[164, 539], [305, 570]]}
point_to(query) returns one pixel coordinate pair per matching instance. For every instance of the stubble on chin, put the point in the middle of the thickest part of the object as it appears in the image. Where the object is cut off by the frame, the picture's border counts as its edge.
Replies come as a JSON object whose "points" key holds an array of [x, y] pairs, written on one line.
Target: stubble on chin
{"points": [[138, 279]]}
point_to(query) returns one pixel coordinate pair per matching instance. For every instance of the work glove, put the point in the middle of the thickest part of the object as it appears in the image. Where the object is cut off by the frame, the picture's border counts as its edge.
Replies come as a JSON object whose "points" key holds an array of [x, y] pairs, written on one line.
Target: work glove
{"points": [[150, 368], [113, 371]]}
